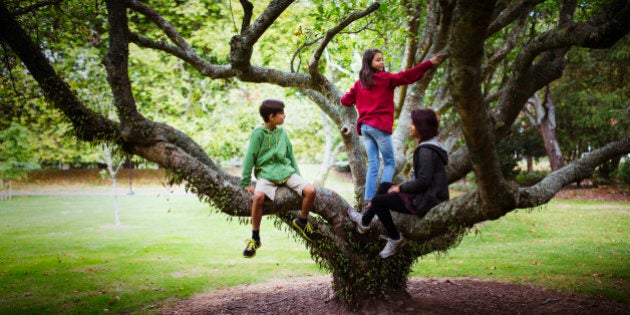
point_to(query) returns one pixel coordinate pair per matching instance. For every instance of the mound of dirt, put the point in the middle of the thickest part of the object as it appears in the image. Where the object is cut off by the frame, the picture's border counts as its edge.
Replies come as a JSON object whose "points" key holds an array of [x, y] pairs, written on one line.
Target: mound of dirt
{"points": [[313, 295]]}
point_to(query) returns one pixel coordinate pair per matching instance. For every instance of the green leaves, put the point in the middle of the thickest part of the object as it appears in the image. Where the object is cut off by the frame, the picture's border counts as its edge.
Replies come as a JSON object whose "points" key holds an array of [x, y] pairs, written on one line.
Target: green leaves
{"points": [[16, 152]]}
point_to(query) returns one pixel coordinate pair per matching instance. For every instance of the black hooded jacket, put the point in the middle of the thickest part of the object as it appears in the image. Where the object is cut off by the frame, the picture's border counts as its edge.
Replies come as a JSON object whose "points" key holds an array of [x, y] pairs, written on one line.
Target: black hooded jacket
{"points": [[428, 186]]}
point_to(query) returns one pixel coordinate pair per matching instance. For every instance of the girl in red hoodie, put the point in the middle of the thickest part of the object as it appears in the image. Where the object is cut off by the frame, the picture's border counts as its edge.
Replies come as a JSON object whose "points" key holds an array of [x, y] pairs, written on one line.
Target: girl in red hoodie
{"points": [[373, 95]]}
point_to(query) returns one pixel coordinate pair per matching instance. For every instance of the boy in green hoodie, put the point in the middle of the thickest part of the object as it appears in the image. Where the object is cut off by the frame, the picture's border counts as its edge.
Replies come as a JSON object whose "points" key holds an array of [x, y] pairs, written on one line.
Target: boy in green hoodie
{"points": [[270, 154]]}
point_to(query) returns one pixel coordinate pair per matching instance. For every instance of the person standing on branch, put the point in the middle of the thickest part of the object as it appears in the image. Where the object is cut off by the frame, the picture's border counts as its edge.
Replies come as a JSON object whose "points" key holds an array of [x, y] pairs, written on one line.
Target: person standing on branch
{"points": [[373, 95], [427, 188], [270, 154]]}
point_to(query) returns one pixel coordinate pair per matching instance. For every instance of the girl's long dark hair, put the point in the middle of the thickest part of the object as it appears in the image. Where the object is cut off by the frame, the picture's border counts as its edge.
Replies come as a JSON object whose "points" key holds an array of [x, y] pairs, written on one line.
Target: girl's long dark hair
{"points": [[366, 68]]}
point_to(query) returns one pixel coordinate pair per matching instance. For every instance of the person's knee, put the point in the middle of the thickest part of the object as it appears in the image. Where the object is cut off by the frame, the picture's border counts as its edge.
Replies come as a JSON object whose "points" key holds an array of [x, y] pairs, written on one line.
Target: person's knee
{"points": [[383, 188], [373, 163], [389, 160], [259, 197], [309, 191], [382, 211]]}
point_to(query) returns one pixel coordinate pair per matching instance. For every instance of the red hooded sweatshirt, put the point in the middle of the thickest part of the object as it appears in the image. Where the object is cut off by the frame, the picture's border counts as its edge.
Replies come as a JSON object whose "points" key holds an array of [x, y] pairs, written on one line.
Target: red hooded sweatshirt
{"points": [[376, 105]]}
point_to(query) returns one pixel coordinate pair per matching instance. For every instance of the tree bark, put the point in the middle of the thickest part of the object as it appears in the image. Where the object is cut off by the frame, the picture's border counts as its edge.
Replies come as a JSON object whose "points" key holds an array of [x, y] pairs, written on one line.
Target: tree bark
{"points": [[543, 117]]}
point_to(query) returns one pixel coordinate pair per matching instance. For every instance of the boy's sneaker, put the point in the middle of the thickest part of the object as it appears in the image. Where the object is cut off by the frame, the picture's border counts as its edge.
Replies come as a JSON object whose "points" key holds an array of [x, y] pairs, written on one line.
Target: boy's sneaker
{"points": [[307, 229], [357, 218], [392, 246], [252, 246]]}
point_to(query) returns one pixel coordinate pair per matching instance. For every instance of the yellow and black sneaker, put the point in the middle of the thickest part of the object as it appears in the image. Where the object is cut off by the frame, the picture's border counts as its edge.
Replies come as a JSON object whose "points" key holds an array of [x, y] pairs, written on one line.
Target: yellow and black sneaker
{"points": [[252, 246], [307, 229]]}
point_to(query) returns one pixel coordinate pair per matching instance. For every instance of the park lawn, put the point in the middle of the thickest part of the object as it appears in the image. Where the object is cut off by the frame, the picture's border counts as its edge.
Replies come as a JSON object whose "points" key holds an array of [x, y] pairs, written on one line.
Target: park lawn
{"points": [[62, 254]]}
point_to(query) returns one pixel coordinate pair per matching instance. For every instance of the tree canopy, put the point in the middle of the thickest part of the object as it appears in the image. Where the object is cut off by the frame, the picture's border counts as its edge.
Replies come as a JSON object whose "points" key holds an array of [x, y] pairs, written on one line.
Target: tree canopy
{"points": [[500, 53]]}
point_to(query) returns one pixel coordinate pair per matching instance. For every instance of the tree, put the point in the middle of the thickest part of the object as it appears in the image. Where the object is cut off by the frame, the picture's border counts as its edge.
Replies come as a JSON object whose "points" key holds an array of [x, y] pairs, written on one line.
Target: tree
{"points": [[541, 113], [16, 157], [113, 165], [478, 105], [591, 101]]}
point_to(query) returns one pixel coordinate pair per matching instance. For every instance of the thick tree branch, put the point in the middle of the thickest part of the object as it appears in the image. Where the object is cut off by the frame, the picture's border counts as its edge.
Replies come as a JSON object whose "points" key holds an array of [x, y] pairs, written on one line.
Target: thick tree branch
{"points": [[542, 192], [116, 62], [88, 125]]}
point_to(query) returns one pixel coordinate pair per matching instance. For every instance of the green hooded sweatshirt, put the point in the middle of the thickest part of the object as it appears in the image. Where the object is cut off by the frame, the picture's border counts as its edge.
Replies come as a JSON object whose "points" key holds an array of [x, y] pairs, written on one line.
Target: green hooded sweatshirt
{"points": [[271, 155]]}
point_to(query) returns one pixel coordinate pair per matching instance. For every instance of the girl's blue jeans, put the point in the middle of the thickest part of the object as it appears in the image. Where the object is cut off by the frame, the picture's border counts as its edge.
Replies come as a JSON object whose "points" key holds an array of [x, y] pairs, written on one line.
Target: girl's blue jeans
{"points": [[376, 141]]}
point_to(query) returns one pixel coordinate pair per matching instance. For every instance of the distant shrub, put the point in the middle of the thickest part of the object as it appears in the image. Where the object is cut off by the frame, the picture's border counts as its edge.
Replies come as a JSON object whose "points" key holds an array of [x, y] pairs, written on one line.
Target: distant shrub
{"points": [[528, 179], [622, 174]]}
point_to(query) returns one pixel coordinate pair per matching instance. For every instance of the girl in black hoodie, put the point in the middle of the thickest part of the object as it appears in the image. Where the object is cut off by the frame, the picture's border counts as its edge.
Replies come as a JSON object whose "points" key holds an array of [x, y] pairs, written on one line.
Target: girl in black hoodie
{"points": [[427, 187]]}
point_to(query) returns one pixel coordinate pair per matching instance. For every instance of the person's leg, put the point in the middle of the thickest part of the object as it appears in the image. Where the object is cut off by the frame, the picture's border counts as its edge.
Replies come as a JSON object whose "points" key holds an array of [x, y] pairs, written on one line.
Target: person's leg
{"points": [[308, 192], [370, 212], [308, 198], [367, 218], [257, 210], [371, 148], [386, 147], [264, 189], [381, 205]]}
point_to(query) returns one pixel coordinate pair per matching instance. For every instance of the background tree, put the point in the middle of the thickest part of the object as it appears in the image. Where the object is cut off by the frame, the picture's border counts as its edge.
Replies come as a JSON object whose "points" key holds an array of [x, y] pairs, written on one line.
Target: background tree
{"points": [[16, 157], [481, 95], [592, 102], [541, 113], [113, 163]]}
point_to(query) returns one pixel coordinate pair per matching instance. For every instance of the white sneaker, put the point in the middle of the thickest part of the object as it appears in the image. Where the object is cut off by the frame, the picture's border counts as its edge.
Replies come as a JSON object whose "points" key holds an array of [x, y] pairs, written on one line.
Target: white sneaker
{"points": [[357, 218], [392, 246]]}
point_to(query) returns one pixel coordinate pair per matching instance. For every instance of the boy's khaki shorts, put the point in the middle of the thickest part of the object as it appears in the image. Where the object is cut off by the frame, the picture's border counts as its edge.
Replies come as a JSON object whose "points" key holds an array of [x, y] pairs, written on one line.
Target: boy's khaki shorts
{"points": [[295, 182]]}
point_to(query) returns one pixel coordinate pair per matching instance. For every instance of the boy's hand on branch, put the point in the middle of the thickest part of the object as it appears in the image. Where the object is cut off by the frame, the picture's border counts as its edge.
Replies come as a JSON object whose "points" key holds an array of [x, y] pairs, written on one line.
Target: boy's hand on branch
{"points": [[436, 60]]}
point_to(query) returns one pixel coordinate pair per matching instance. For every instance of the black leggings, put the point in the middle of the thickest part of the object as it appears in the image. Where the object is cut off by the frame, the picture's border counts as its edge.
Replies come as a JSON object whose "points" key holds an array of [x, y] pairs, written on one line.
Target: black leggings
{"points": [[382, 203]]}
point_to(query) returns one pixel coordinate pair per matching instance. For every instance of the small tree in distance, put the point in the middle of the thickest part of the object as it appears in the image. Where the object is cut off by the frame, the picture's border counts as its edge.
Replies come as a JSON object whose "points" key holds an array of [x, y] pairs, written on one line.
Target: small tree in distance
{"points": [[16, 157], [113, 165]]}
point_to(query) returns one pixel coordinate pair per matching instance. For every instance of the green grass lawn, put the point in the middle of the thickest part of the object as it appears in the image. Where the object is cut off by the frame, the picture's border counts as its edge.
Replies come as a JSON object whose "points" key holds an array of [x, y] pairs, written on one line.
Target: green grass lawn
{"points": [[62, 254], [578, 246]]}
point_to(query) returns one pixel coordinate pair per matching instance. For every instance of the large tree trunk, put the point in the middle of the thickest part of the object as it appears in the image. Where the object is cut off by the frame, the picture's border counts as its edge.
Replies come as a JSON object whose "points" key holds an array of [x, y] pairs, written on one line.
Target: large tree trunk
{"points": [[352, 259]]}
